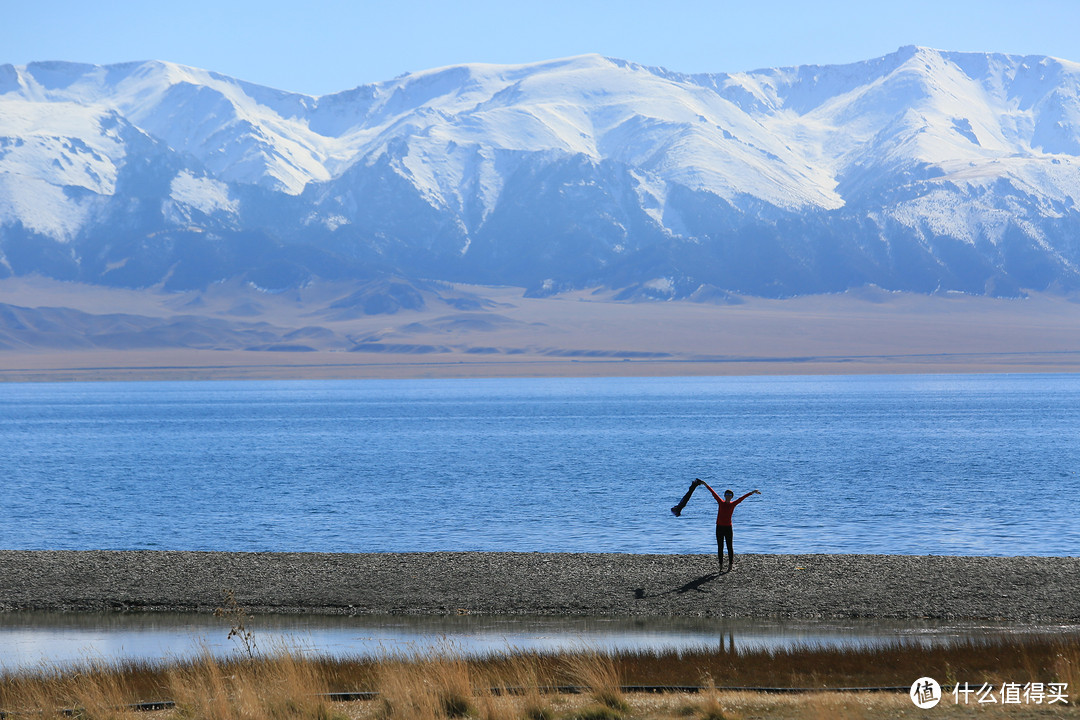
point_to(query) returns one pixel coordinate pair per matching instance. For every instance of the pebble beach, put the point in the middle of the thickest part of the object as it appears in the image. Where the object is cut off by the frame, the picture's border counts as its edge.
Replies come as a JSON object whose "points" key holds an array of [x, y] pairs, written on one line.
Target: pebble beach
{"points": [[1020, 589]]}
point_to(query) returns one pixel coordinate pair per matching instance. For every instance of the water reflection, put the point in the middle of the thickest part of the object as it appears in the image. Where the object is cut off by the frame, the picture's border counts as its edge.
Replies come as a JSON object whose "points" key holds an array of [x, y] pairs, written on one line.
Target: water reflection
{"points": [[27, 639]]}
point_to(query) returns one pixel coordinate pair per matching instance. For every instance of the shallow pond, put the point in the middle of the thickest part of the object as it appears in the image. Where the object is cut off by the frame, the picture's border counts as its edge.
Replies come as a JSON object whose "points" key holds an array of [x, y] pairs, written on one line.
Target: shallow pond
{"points": [[28, 639]]}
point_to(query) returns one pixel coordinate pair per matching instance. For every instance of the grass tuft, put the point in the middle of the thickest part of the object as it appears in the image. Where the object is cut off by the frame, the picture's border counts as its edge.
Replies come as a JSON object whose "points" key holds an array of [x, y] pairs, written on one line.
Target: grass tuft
{"points": [[536, 712], [599, 673], [596, 712]]}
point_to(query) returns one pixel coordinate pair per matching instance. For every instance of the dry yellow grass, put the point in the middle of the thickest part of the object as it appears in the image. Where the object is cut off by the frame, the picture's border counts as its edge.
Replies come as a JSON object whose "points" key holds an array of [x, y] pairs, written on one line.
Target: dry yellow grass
{"points": [[283, 684], [742, 706]]}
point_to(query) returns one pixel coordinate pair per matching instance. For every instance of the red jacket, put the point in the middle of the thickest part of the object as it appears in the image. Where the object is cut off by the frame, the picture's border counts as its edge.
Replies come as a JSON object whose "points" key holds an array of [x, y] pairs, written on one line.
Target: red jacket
{"points": [[723, 514]]}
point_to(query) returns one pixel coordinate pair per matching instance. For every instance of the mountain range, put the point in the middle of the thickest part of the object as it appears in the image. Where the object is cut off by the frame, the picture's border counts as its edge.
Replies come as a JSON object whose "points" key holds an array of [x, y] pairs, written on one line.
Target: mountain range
{"points": [[922, 171]]}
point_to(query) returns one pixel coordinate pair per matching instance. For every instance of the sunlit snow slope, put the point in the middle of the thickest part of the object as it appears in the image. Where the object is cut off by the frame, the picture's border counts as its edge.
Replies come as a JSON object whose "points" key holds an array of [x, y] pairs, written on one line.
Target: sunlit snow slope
{"points": [[922, 170]]}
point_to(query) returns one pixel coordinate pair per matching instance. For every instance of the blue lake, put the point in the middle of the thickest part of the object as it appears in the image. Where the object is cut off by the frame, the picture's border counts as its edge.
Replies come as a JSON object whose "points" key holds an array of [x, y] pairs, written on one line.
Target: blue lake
{"points": [[960, 464]]}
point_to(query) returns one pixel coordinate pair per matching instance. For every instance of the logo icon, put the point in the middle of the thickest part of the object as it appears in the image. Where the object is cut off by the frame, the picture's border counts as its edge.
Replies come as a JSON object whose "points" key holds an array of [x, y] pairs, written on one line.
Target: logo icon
{"points": [[925, 693]]}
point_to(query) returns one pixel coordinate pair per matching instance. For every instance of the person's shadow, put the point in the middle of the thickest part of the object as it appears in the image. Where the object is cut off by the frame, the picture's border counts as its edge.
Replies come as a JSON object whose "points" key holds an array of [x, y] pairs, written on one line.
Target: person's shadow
{"points": [[692, 586]]}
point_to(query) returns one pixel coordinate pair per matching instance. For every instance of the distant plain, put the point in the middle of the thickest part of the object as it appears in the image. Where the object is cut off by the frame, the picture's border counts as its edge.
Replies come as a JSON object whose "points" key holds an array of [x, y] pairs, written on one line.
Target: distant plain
{"points": [[55, 331]]}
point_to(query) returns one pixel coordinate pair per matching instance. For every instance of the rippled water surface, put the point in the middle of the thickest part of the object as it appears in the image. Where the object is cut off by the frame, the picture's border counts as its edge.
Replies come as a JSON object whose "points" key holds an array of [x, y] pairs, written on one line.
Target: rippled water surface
{"points": [[887, 464]]}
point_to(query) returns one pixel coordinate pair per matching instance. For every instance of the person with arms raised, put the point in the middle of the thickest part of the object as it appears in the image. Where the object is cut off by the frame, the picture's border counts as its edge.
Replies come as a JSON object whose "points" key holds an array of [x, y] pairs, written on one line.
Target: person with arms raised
{"points": [[723, 519]]}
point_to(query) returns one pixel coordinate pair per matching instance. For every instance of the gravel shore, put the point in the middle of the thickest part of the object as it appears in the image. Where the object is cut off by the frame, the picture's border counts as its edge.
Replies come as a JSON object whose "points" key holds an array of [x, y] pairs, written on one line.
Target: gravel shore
{"points": [[782, 586]]}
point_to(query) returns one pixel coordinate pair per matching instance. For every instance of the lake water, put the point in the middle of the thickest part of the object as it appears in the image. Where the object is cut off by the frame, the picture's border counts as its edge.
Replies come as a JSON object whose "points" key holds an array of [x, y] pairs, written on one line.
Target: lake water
{"points": [[961, 464]]}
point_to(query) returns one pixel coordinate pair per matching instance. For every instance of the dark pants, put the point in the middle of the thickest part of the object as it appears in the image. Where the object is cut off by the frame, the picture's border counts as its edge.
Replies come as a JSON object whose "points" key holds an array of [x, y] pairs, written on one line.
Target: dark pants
{"points": [[723, 532], [677, 510]]}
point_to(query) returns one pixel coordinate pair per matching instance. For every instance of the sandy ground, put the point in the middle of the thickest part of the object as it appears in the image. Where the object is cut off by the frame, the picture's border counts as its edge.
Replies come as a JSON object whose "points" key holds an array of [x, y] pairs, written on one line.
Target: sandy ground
{"points": [[794, 586]]}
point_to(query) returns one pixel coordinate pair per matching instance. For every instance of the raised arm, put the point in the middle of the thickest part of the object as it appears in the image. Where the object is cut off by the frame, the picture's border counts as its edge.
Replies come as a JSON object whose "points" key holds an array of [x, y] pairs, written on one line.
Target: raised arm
{"points": [[718, 498], [752, 492]]}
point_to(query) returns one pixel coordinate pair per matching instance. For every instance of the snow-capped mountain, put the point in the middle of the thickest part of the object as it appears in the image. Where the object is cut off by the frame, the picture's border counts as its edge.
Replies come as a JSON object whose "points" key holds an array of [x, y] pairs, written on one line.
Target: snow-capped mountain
{"points": [[922, 170]]}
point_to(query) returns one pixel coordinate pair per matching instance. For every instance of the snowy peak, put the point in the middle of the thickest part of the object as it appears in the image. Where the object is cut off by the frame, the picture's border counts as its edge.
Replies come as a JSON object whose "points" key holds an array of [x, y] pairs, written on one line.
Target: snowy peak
{"points": [[786, 136], [968, 115], [575, 168], [1006, 97], [241, 132]]}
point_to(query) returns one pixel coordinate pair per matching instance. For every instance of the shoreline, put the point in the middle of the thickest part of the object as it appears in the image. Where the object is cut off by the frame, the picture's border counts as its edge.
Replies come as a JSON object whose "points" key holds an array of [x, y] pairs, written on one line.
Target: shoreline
{"points": [[210, 365], [1020, 589]]}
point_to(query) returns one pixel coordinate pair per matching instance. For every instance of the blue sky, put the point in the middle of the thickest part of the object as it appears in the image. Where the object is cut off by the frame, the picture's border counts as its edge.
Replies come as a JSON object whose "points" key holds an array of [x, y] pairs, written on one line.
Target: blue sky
{"points": [[322, 46]]}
